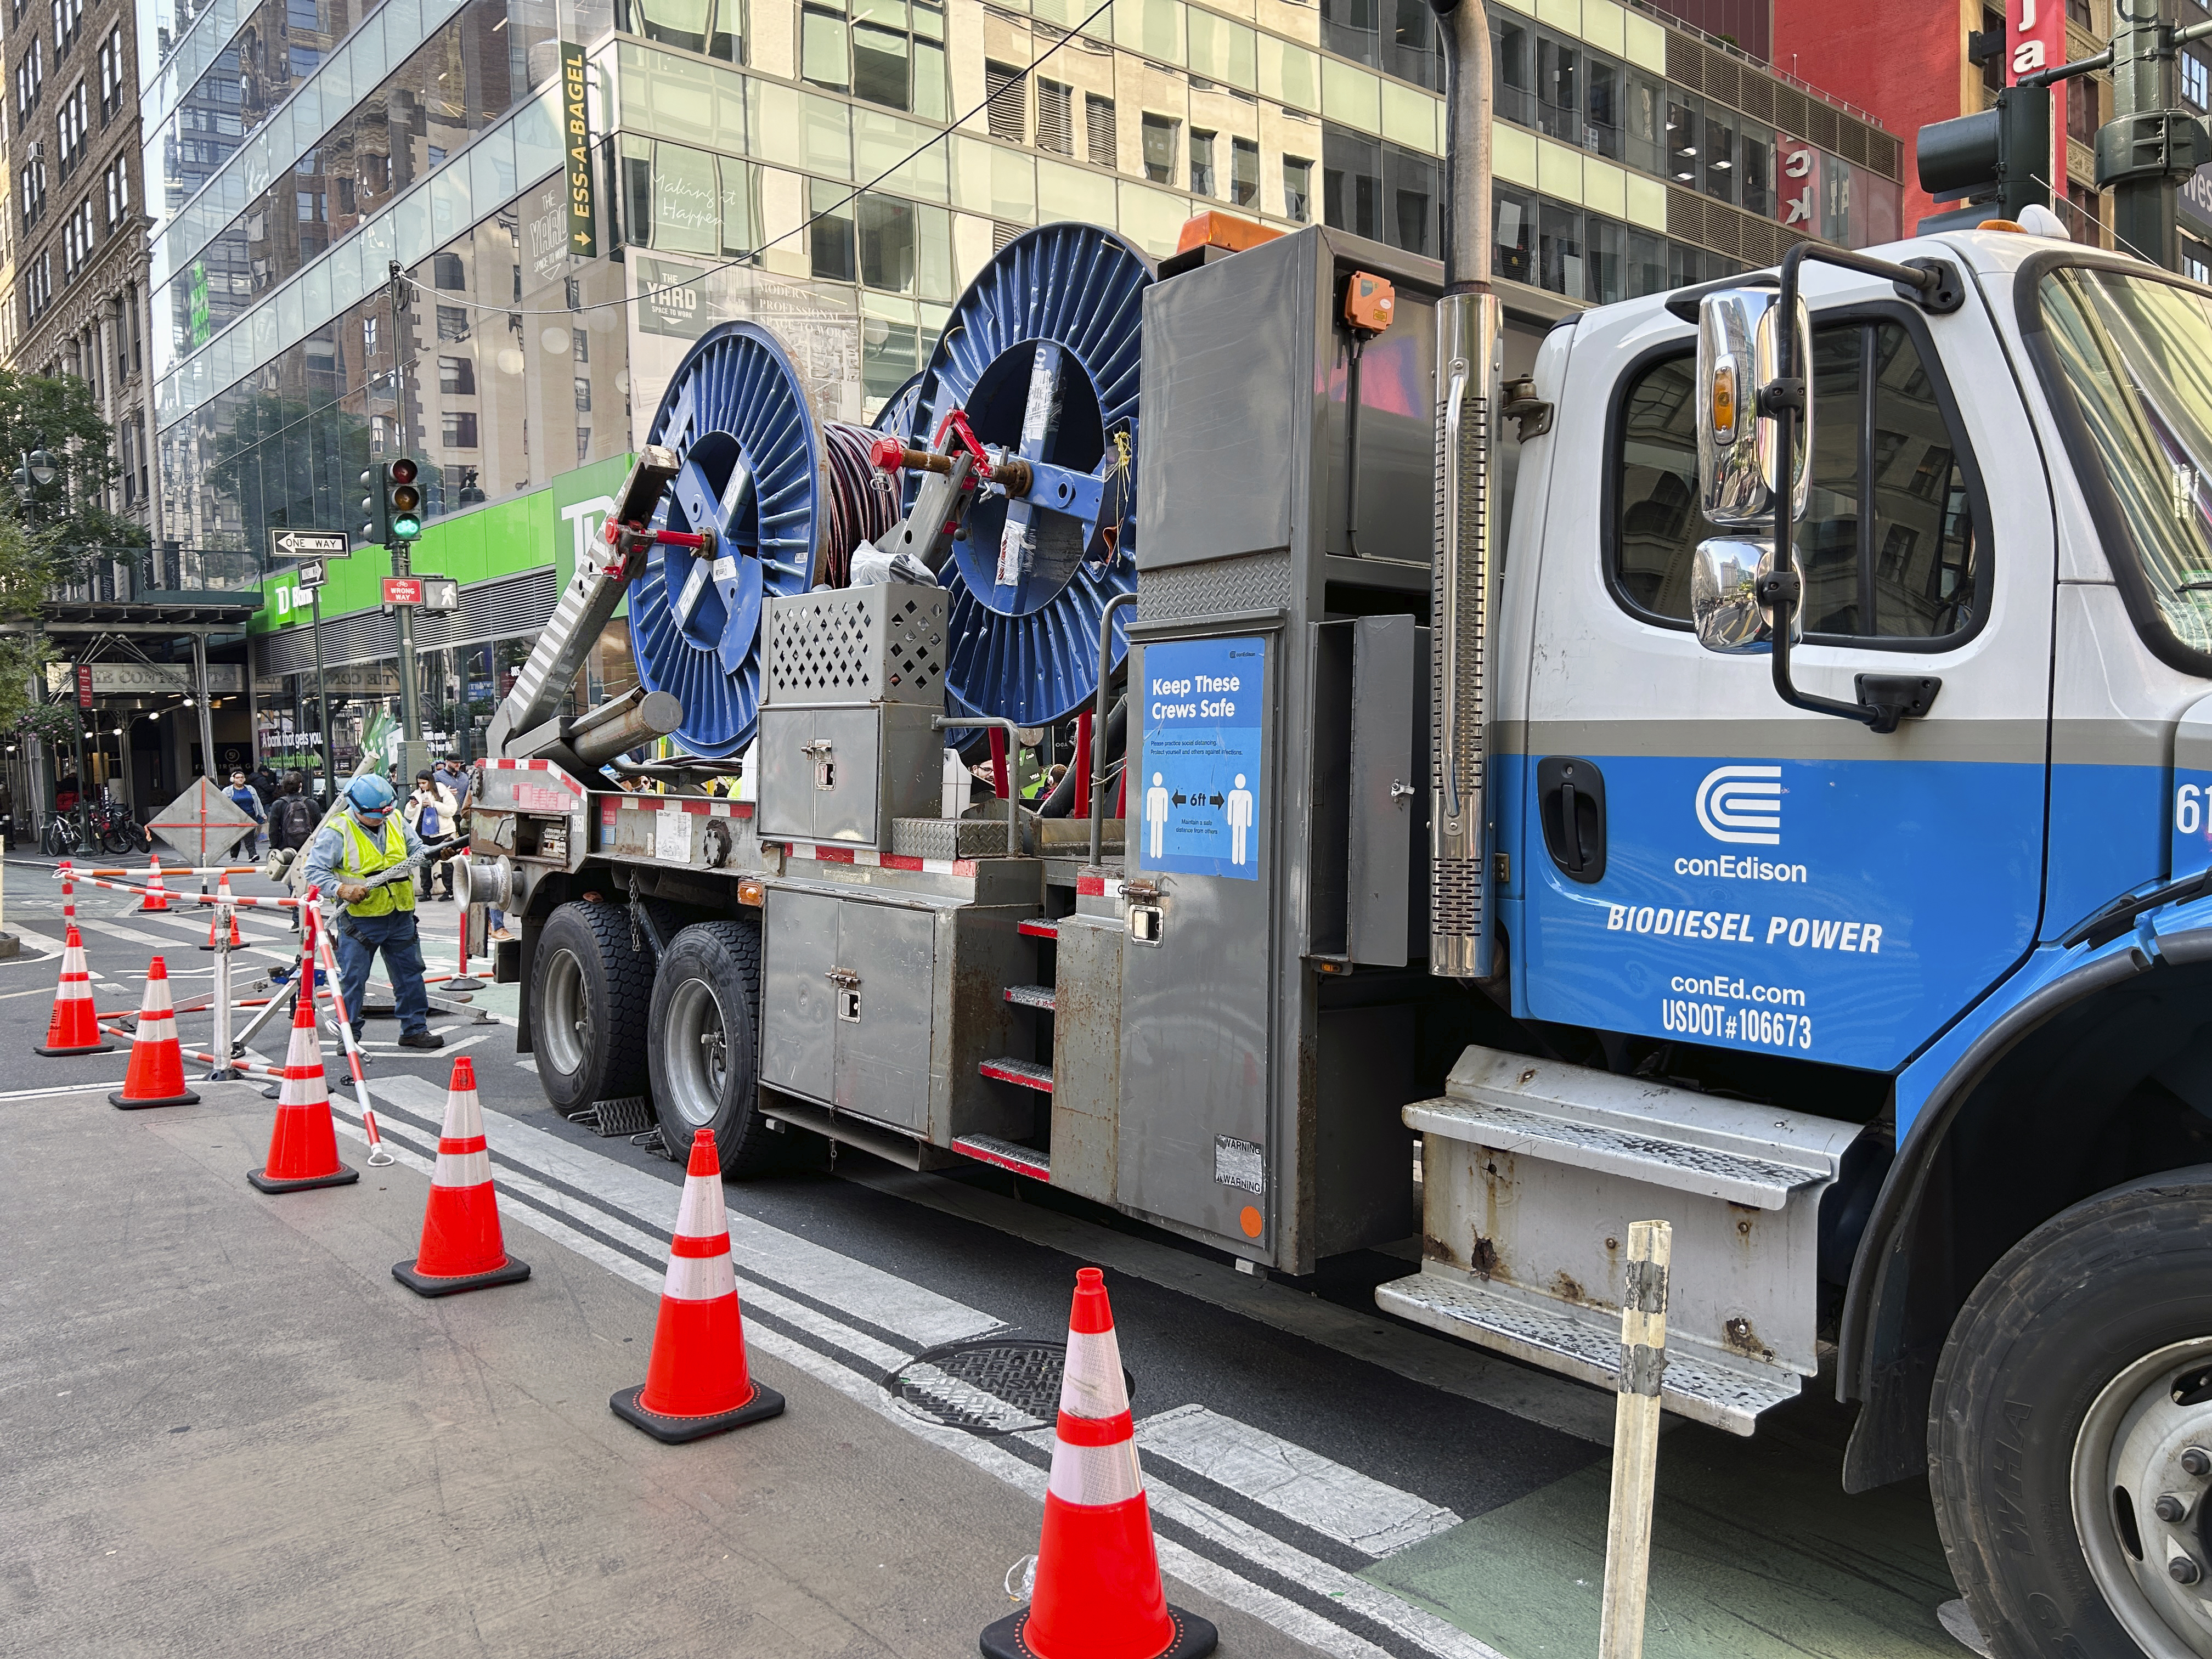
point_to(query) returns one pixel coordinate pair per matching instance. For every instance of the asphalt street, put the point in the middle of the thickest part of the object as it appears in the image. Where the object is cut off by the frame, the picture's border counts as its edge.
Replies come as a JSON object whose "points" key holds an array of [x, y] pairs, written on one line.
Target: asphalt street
{"points": [[374, 1472]]}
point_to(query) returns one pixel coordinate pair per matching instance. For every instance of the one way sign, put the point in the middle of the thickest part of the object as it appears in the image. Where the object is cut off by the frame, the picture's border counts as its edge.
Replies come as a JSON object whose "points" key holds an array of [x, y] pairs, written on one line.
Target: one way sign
{"points": [[309, 545]]}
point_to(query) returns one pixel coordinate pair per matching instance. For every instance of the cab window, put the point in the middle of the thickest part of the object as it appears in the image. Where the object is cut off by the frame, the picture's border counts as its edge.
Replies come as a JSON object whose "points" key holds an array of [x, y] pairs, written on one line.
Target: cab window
{"points": [[1891, 545]]}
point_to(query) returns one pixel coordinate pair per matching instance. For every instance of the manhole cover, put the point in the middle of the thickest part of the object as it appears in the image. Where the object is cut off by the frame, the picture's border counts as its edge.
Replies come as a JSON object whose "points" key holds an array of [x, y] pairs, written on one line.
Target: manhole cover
{"points": [[988, 1385]]}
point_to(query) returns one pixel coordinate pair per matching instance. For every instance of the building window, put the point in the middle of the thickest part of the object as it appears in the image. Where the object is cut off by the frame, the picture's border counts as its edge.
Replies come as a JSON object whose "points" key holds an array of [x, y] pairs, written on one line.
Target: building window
{"points": [[115, 183], [34, 193], [892, 53], [77, 239], [31, 76], [2078, 13], [1099, 137], [111, 74], [2196, 262], [452, 323], [71, 128], [1351, 182], [829, 236], [1297, 189], [1243, 172], [2085, 217], [69, 23], [446, 272], [1391, 35], [2196, 84], [2085, 100], [1003, 114], [581, 346], [457, 377], [1053, 130], [715, 28], [460, 429], [1159, 135], [583, 394], [888, 255], [1202, 162]]}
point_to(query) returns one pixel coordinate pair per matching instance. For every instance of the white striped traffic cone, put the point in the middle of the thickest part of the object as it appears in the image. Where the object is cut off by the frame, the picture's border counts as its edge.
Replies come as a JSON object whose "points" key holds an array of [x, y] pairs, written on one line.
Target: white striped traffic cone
{"points": [[74, 1029], [1098, 1593], [223, 911], [462, 1248], [157, 896], [156, 1077], [303, 1146], [697, 1383]]}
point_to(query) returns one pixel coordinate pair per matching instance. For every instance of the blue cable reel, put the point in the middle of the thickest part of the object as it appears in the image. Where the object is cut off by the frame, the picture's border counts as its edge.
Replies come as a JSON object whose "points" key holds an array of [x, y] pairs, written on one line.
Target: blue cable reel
{"points": [[1042, 353], [735, 411]]}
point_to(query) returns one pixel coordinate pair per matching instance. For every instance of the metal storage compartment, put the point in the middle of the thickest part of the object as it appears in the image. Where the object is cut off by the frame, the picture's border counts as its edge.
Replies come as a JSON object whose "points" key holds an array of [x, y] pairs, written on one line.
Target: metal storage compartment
{"points": [[882, 1004], [845, 774]]}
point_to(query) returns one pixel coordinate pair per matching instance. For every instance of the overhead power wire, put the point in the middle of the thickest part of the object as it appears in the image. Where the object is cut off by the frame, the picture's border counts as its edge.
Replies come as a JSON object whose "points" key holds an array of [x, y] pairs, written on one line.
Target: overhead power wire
{"points": [[751, 257]]}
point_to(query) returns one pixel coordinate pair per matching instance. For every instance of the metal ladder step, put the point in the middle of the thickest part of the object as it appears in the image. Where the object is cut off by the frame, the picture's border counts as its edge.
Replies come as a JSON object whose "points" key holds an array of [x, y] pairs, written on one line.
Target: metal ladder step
{"points": [[1026, 1073], [1585, 1343], [1031, 996], [1040, 927], [1006, 1155]]}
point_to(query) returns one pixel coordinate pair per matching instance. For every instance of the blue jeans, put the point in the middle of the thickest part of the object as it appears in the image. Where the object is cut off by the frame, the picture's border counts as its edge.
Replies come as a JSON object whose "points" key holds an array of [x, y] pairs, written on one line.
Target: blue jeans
{"points": [[359, 939]]}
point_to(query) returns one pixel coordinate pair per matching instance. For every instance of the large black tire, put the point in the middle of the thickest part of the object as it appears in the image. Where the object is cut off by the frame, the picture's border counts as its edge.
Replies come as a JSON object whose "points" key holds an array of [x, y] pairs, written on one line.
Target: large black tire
{"points": [[591, 994], [2107, 1303], [705, 1047]]}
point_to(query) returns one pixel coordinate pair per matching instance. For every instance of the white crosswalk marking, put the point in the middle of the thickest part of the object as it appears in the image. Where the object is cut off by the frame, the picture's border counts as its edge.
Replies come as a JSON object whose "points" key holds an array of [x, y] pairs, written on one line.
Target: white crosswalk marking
{"points": [[1300, 1485]]}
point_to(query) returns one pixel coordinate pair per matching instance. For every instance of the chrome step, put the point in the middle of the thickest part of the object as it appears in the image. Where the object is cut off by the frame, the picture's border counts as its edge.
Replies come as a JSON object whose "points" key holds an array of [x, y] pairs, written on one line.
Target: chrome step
{"points": [[1040, 927], [1006, 1155], [1030, 996], [1586, 1345], [1026, 1073]]}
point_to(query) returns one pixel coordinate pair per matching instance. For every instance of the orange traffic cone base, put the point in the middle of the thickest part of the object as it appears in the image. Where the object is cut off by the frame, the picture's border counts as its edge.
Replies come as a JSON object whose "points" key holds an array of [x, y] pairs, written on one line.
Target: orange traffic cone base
{"points": [[86, 1049], [341, 1176], [510, 1271], [765, 1402], [1008, 1639], [187, 1099]]}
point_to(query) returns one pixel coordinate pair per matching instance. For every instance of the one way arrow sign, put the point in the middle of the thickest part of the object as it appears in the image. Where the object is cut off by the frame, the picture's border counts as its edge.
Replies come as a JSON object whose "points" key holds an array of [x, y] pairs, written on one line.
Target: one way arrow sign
{"points": [[309, 545]]}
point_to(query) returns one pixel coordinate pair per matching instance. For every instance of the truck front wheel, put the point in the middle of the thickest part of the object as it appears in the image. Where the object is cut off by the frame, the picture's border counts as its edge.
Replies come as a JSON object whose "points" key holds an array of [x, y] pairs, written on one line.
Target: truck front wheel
{"points": [[705, 1047], [590, 989], [2071, 1431]]}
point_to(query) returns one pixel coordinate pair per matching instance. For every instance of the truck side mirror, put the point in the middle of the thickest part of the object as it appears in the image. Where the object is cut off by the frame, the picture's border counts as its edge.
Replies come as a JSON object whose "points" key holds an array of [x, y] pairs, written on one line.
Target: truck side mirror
{"points": [[1738, 357], [1724, 604]]}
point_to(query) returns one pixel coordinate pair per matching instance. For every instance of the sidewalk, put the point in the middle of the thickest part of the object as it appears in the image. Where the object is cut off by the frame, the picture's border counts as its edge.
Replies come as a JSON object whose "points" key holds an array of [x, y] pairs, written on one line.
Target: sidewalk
{"points": [[232, 1431]]}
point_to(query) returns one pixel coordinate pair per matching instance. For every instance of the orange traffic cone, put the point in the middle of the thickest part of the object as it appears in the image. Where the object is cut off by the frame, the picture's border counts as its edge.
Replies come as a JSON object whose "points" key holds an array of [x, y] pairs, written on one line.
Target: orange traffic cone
{"points": [[156, 1077], [303, 1148], [695, 1383], [1098, 1593], [157, 896], [461, 1247], [73, 1029], [214, 922]]}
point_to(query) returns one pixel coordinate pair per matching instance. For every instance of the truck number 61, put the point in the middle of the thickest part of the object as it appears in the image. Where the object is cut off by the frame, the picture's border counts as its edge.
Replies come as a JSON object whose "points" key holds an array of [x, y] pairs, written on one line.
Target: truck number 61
{"points": [[2188, 809]]}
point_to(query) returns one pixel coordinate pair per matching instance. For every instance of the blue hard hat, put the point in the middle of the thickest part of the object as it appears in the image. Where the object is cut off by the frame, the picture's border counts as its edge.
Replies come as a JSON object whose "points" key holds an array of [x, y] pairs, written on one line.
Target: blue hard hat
{"points": [[370, 794]]}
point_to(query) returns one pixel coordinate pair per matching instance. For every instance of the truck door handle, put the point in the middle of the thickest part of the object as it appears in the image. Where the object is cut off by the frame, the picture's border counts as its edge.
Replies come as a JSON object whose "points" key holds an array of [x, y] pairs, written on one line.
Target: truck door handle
{"points": [[1570, 800]]}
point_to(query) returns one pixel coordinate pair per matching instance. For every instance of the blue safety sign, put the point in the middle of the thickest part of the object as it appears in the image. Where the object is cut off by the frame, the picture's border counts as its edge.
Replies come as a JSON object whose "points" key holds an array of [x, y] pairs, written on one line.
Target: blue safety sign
{"points": [[1196, 797]]}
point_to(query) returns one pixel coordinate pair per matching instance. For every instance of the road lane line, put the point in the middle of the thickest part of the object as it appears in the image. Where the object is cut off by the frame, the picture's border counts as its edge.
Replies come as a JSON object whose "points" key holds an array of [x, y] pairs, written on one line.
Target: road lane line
{"points": [[1301, 1486]]}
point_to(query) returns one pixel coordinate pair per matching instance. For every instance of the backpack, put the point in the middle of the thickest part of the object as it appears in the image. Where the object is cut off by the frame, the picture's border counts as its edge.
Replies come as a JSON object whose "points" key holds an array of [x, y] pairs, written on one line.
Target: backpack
{"points": [[294, 818]]}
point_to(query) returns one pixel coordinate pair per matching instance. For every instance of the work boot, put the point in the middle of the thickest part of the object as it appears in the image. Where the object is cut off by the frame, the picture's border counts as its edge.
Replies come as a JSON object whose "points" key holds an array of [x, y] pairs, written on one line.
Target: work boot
{"points": [[422, 1040]]}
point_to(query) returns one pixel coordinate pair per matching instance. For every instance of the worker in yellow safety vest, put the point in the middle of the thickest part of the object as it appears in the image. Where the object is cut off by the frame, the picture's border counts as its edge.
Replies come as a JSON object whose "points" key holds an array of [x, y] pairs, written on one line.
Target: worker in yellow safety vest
{"points": [[366, 857]]}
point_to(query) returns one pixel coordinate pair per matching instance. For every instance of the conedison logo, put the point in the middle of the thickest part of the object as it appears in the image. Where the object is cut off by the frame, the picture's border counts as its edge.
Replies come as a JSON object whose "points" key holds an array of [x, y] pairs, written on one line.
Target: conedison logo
{"points": [[1742, 803]]}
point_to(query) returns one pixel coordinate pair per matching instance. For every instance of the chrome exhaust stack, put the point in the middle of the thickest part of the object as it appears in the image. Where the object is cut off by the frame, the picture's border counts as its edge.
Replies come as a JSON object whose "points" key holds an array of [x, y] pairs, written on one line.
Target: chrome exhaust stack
{"points": [[1468, 329]]}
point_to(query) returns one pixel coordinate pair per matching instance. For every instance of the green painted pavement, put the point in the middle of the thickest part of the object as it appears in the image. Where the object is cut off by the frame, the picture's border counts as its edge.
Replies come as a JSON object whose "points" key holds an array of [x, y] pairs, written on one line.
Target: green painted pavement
{"points": [[1757, 1553]]}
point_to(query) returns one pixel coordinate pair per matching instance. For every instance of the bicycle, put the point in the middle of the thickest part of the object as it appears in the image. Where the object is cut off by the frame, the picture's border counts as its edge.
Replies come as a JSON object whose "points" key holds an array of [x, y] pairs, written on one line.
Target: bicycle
{"points": [[116, 831], [61, 837]]}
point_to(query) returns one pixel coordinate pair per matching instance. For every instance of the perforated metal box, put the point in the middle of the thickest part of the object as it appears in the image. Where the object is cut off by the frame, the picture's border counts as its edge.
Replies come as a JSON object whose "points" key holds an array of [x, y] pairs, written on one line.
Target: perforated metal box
{"points": [[858, 645]]}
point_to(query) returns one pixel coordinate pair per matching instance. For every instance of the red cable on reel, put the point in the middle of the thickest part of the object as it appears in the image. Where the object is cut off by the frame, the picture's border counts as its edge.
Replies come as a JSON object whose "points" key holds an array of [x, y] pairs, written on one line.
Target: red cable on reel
{"points": [[858, 503]]}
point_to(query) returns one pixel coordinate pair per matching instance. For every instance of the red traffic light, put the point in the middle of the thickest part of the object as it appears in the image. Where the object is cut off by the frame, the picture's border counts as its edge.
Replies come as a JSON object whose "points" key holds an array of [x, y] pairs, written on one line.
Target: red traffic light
{"points": [[404, 471]]}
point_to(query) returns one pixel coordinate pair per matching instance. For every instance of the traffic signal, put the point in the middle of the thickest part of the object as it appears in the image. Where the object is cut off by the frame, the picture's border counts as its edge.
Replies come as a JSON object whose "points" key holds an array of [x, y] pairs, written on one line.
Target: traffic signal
{"points": [[376, 509], [1999, 160], [406, 500]]}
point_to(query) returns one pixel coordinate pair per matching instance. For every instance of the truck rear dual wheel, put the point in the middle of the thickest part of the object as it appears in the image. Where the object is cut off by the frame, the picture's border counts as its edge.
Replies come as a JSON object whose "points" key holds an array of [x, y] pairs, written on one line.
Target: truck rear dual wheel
{"points": [[590, 994], [2070, 1432], [705, 1047]]}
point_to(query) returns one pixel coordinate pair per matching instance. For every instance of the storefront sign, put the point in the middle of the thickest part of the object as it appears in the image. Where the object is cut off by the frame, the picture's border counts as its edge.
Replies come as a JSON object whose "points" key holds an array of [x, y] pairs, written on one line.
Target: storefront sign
{"points": [[670, 299], [1799, 196], [84, 687], [583, 221], [155, 679]]}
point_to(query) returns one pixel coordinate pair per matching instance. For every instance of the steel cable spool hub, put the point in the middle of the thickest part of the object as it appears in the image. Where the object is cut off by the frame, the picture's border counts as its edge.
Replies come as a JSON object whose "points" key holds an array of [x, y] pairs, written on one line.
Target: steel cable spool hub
{"points": [[735, 411], [1042, 353]]}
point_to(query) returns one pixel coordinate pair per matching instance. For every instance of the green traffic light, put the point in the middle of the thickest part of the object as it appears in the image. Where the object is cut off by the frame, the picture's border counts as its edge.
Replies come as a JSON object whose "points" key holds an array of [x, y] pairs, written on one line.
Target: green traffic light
{"points": [[406, 527]]}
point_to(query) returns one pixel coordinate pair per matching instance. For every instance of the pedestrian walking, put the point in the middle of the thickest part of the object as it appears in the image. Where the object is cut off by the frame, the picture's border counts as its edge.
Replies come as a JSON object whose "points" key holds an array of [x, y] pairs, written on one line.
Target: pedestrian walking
{"points": [[247, 800], [366, 857], [434, 815]]}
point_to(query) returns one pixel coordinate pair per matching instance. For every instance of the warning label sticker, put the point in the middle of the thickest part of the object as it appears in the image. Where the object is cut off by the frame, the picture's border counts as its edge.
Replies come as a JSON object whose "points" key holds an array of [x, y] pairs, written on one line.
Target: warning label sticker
{"points": [[1196, 796]]}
